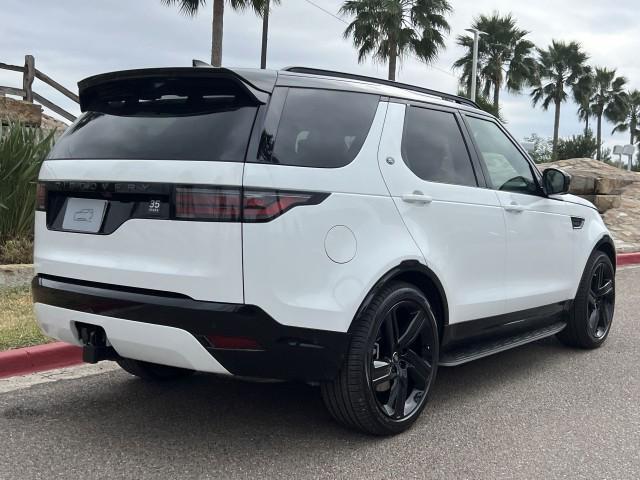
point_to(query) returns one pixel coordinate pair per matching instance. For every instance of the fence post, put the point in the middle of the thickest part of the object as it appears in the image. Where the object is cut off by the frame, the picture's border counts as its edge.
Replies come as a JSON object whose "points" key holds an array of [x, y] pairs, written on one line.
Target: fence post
{"points": [[28, 76]]}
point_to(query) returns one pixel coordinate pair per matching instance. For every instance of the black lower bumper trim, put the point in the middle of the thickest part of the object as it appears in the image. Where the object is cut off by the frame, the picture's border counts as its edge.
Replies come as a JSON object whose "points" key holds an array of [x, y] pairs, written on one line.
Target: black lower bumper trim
{"points": [[288, 353]]}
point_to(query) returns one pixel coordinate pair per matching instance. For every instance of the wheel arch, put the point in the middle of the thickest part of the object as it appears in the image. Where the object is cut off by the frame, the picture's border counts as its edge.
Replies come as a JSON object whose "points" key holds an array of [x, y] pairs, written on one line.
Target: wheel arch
{"points": [[606, 246], [418, 274]]}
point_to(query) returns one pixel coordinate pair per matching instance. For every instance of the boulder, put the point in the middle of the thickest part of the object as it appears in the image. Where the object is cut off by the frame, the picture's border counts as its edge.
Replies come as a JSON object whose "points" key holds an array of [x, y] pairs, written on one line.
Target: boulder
{"points": [[604, 202]]}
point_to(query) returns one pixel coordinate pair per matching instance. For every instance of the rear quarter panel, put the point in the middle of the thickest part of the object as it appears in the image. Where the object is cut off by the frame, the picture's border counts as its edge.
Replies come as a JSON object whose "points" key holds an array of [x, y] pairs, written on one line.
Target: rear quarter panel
{"points": [[287, 270]]}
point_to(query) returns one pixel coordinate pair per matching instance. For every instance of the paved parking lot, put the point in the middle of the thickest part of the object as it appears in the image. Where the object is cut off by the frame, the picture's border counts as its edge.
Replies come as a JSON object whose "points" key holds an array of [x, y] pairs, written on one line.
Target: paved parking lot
{"points": [[542, 411]]}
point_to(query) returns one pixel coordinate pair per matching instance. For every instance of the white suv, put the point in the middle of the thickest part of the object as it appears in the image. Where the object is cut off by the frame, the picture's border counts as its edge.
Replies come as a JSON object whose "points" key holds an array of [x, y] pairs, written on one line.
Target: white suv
{"points": [[308, 225]]}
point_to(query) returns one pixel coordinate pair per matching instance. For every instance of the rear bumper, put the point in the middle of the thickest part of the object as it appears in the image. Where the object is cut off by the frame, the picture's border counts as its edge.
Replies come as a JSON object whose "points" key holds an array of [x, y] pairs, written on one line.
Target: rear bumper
{"points": [[173, 329]]}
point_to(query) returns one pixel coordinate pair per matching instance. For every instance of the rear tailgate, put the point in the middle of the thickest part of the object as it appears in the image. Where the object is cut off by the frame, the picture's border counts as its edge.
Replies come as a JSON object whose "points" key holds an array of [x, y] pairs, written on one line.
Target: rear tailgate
{"points": [[140, 191]]}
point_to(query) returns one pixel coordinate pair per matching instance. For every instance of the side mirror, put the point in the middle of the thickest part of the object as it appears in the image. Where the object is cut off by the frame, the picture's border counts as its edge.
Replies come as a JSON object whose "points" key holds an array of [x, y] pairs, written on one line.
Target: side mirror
{"points": [[555, 182]]}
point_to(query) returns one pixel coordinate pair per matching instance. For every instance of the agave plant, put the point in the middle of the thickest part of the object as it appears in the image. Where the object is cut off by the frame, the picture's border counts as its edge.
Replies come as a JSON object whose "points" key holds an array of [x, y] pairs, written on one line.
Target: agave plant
{"points": [[22, 150]]}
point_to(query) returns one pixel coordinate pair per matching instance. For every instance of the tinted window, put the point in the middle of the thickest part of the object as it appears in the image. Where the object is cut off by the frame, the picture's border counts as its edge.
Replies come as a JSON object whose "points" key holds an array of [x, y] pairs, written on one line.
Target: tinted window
{"points": [[434, 149], [170, 119], [508, 169], [321, 128]]}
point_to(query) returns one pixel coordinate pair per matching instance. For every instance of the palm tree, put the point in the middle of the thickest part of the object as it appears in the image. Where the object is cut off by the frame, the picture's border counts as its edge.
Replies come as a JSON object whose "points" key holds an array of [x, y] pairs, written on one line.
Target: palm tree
{"points": [[561, 66], [630, 121], [583, 90], [505, 57], [261, 7], [388, 30], [264, 6], [609, 99]]}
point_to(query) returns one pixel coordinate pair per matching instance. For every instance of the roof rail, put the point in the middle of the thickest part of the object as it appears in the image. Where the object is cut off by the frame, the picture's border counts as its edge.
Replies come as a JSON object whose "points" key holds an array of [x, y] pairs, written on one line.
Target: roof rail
{"points": [[351, 76]]}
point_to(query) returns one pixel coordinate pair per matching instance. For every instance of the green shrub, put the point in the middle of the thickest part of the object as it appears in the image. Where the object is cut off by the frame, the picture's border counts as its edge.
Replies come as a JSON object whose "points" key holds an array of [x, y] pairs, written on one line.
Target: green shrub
{"points": [[22, 151], [580, 146]]}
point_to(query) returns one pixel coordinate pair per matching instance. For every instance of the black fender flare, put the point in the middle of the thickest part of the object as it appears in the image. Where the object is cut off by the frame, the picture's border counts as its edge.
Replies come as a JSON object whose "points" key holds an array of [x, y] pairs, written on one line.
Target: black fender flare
{"points": [[407, 266]]}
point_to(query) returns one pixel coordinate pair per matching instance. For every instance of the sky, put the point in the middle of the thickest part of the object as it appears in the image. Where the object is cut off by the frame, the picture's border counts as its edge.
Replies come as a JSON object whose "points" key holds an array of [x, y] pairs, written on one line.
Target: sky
{"points": [[72, 39]]}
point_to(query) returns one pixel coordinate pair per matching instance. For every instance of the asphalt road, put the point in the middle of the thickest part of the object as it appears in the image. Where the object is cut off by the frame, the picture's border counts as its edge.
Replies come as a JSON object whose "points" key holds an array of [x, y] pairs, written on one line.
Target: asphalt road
{"points": [[541, 411]]}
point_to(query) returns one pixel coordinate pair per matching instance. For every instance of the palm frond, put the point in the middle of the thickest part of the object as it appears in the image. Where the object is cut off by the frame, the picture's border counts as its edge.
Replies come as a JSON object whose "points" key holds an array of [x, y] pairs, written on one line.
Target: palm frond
{"points": [[186, 7], [407, 27]]}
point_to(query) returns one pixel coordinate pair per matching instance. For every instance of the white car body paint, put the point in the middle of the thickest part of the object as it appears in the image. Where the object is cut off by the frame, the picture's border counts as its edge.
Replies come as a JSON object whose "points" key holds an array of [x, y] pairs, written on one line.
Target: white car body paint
{"points": [[202, 260], [489, 259], [460, 231], [286, 269], [136, 340]]}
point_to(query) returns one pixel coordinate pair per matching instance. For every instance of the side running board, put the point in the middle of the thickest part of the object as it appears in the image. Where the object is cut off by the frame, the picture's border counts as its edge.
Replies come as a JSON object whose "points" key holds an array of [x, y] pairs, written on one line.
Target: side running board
{"points": [[475, 351]]}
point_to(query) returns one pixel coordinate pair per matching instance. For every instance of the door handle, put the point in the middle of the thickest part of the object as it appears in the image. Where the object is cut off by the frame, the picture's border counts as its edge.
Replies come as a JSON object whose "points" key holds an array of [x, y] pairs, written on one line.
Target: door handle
{"points": [[514, 208], [416, 197]]}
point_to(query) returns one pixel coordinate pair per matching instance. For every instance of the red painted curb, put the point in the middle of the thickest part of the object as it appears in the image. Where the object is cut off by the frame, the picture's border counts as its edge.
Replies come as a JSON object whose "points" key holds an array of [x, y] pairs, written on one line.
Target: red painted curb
{"points": [[23, 361], [628, 259]]}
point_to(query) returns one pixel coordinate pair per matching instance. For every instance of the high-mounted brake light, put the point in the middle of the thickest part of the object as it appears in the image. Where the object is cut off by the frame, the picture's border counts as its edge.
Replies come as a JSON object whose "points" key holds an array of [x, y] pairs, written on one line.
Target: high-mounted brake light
{"points": [[233, 205], [41, 197]]}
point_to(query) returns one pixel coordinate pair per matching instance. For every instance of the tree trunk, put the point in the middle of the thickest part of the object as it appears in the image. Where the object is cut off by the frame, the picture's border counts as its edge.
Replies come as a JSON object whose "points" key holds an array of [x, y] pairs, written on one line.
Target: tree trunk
{"points": [[393, 61], [265, 35], [217, 28], [556, 131], [586, 126], [599, 138], [632, 128], [496, 95]]}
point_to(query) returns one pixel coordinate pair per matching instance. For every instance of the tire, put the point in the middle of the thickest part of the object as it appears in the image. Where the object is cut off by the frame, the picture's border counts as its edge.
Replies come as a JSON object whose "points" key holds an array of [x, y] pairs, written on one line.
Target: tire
{"points": [[592, 311], [151, 371], [394, 348]]}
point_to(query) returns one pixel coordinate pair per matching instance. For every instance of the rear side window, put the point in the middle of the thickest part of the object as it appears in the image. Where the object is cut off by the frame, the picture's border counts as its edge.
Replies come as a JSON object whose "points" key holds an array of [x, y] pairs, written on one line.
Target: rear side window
{"points": [[163, 119], [434, 149], [319, 128]]}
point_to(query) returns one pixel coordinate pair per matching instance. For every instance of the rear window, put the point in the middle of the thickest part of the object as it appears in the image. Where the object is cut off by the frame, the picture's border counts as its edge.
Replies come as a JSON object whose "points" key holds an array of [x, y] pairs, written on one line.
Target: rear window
{"points": [[318, 128], [168, 119], [434, 149]]}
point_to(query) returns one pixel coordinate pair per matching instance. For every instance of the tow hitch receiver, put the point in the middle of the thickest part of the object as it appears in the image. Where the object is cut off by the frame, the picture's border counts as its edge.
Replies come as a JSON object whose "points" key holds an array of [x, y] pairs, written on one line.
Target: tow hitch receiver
{"points": [[94, 341]]}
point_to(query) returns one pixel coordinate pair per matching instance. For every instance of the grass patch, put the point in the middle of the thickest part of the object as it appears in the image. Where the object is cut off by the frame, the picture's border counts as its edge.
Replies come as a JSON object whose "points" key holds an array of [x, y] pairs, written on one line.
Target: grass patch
{"points": [[15, 251], [18, 326]]}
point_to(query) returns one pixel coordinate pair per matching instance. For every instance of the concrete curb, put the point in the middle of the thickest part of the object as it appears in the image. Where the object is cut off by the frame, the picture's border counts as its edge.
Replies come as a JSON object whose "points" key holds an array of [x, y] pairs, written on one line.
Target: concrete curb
{"points": [[23, 361], [15, 275]]}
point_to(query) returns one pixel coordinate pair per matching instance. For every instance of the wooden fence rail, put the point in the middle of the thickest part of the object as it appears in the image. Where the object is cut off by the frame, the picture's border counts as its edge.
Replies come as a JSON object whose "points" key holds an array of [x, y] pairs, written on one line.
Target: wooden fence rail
{"points": [[29, 74]]}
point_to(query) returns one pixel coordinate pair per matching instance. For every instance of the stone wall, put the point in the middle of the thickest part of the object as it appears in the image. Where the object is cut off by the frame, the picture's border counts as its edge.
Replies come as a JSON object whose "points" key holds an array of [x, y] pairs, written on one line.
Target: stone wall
{"points": [[596, 181], [12, 110], [615, 192], [17, 110]]}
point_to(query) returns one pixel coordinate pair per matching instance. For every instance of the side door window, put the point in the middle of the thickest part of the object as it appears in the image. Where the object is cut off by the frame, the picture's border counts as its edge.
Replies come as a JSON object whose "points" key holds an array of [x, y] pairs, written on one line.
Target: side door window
{"points": [[434, 149], [507, 168]]}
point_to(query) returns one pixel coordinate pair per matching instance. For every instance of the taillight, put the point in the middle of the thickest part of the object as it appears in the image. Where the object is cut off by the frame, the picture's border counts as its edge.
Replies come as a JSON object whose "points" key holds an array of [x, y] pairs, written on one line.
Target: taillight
{"points": [[233, 205], [208, 203], [41, 197], [263, 206]]}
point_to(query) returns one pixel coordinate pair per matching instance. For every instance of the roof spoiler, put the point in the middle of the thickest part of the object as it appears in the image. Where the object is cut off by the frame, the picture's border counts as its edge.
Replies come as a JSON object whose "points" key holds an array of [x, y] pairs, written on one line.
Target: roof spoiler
{"points": [[99, 87]]}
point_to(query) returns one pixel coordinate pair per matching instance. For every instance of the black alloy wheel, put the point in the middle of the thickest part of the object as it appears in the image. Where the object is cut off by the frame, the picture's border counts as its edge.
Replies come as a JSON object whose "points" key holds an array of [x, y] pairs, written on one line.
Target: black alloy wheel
{"points": [[401, 365], [601, 300], [391, 364], [591, 315]]}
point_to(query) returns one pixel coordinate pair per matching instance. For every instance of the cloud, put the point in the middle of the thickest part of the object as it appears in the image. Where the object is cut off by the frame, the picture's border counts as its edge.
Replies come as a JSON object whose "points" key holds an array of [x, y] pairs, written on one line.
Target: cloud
{"points": [[72, 39]]}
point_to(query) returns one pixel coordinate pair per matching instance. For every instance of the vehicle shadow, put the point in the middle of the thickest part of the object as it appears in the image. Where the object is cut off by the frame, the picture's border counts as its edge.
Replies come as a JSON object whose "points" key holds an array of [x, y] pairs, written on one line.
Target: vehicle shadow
{"points": [[207, 410]]}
